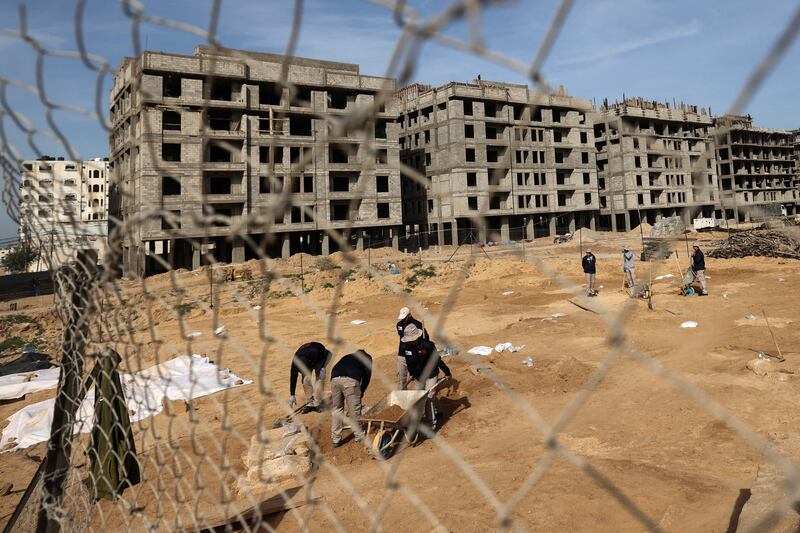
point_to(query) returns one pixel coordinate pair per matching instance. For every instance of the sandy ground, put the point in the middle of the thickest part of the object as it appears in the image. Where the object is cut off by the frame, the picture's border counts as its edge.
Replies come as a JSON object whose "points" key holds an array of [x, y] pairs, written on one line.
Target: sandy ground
{"points": [[662, 449]]}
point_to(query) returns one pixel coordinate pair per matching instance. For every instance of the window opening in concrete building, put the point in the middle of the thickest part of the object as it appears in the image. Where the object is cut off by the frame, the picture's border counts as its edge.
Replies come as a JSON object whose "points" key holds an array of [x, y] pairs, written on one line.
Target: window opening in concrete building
{"points": [[381, 156], [295, 184], [339, 182], [380, 129], [170, 152], [383, 210], [173, 222], [269, 94], [340, 99], [382, 183], [170, 121], [427, 134], [300, 126], [469, 154], [587, 178], [584, 157], [556, 136], [584, 137], [308, 183], [338, 154], [263, 184], [296, 216], [640, 199], [221, 89], [562, 178], [278, 156], [219, 154], [340, 210], [294, 154], [218, 120], [637, 162], [472, 179], [170, 186], [263, 154], [427, 159], [587, 198], [472, 203], [467, 107], [219, 185], [301, 96], [171, 86], [491, 155]]}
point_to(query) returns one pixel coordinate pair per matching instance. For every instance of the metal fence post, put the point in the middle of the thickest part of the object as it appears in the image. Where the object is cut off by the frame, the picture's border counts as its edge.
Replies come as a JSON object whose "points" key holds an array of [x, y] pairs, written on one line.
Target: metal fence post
{"points": [[59, 447]]}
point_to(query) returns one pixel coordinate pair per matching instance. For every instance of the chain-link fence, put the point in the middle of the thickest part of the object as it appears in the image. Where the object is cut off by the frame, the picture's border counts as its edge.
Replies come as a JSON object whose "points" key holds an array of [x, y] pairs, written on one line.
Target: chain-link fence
{"points": [[141, 437]]}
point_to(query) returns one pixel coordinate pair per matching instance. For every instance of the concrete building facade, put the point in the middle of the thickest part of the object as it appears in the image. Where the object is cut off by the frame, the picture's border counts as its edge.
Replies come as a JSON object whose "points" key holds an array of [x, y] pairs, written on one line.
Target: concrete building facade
{"points": [[653, 160], [211, 155], [757, 170], [64, 207], [524, 161]]}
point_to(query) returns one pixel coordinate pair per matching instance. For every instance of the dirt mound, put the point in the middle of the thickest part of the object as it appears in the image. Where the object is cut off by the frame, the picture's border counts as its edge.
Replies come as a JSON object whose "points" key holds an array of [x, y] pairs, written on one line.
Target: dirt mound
{"points": [[587, 235]]}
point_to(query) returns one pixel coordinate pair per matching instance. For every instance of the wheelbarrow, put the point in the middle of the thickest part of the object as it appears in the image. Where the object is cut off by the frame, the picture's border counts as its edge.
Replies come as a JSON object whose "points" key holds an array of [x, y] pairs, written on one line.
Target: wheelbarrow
{"points": [[686, 283], [387, 433]]}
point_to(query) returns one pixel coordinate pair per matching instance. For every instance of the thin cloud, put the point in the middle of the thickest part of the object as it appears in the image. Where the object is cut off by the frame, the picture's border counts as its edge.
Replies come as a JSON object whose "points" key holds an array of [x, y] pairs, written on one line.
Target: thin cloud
{"points": [[615, 50]]}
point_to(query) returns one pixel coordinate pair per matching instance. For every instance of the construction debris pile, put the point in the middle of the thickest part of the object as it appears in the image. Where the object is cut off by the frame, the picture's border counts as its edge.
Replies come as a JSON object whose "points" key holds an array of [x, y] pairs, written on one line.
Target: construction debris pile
{"points": [[668, 226], [761, 243]]}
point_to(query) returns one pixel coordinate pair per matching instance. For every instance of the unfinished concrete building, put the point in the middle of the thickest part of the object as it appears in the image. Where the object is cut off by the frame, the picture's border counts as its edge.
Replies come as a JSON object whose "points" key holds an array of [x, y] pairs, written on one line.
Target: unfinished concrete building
{"points": [[208, 148], [524, 161], [653, 160], [757, 171]]}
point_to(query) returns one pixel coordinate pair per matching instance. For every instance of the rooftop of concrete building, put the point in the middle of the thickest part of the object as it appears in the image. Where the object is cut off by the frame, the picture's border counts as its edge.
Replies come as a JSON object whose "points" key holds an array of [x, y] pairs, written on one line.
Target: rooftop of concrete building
{"points": [[494, 90], [642, 107], [745, 123]]}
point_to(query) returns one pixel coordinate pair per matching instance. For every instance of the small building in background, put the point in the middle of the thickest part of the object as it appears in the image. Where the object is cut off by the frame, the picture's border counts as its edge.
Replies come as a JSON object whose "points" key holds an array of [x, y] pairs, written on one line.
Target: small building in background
{"points": [[63, 208]]}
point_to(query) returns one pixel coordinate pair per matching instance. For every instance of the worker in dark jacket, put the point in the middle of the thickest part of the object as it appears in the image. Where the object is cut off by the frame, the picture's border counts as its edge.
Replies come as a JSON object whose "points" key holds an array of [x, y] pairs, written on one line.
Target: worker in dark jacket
{"points": [[699, 267], [424, 363], [310, 358], [590, 269], [404, 319], [349, 381]]}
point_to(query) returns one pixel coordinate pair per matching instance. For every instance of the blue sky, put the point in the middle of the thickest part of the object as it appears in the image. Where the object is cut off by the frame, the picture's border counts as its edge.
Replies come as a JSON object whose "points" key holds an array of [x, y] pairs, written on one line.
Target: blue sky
{"points": [[691, 50]]}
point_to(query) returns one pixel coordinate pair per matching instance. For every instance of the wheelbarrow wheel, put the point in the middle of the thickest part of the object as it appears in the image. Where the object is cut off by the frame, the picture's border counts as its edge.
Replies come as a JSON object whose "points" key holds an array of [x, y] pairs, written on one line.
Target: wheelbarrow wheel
{"points": [[383, 443], [689, 291]]}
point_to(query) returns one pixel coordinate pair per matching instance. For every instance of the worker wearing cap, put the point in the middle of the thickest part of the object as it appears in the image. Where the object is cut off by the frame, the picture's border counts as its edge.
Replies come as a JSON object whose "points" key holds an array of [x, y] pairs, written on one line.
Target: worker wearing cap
{"points": [[310, 358], [404, 319], [424, 363], [590, 269], [699, 267], [349, 381], [629, 267]]}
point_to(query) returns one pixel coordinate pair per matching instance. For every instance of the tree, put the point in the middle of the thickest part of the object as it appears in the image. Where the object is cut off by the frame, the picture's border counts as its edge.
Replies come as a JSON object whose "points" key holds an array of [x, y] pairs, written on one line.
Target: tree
{"points": [[19, 257]]}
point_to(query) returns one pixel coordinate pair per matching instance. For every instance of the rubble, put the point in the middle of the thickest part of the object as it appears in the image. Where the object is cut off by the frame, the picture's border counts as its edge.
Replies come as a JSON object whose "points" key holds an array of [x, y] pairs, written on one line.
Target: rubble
{"points": [[761, 244], [272, 458], [668, 226]]}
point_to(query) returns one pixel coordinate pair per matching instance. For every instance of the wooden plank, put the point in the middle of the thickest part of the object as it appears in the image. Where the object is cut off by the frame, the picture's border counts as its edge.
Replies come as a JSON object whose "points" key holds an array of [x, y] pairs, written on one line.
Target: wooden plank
{"points": [[250, 515]]}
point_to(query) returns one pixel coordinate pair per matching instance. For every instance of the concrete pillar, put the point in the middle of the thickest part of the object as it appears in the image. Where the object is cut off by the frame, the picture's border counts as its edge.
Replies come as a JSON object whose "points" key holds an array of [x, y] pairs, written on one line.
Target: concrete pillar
{"points": [[395, 234], [572, 223], [285, 246], [425, 237], [593, 222], [482, 233], [195, 258], [237, 251], [627, 221], [529, 229], [505, 234], [326, 244], [360, 240], [552, 225]]}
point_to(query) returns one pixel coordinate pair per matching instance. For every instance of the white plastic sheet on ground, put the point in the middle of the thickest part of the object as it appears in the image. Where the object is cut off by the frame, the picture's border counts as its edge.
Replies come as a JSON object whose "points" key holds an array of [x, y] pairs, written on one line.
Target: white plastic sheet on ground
{"points": [[665, 276], [183, 378], [18, 385], [481, 350], [358, 322], [689, 324], [508, 347]]}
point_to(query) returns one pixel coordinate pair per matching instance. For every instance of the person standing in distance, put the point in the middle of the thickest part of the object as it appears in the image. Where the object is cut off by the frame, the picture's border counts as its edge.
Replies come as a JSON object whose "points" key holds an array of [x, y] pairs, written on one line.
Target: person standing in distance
{"points": [[590, 269]]}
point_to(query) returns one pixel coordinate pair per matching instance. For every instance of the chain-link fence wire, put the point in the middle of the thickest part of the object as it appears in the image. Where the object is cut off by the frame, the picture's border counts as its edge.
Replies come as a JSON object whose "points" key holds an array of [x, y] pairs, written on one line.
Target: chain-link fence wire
{"points": [[187, 473]]}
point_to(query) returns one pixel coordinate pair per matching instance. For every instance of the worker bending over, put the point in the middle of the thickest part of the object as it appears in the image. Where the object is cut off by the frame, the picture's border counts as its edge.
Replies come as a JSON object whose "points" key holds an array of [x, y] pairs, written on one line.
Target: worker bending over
{"points": [[349, 381], [404, 319], [699, 267], [424, 363], [310, 358]]}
